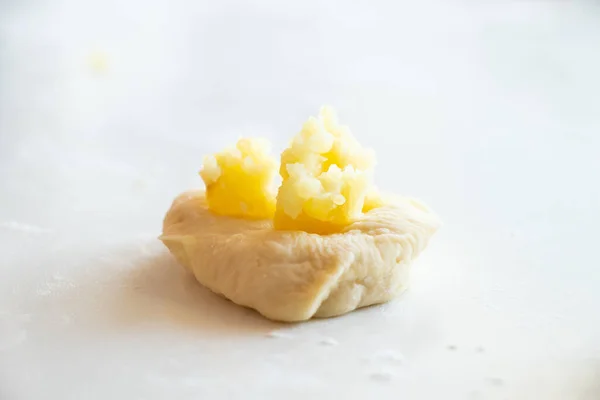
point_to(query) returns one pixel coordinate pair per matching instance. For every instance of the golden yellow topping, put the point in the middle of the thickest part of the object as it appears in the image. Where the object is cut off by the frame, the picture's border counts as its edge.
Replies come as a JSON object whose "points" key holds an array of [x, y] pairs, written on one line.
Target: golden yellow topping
{"points": [[327, 178], [239, 181]]}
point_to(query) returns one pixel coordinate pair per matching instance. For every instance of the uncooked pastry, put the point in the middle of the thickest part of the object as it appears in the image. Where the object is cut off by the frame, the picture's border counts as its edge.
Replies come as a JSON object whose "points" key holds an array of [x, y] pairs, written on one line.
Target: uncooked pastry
{"points": [[295, 275]]}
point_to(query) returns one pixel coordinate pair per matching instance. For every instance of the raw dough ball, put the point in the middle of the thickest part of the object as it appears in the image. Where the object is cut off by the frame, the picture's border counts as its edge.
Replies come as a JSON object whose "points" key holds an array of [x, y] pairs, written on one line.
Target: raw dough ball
{"points": [[295, 275]]}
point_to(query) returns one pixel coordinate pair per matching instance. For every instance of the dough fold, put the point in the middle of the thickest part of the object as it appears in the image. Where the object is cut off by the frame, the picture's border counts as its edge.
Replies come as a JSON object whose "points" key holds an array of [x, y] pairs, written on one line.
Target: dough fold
{"points": [[294, 275]]}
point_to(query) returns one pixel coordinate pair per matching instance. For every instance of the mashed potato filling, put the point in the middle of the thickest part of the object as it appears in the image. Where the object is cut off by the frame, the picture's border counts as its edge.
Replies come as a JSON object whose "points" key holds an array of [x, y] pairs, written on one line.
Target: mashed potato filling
{"points": [[327, 178], [239, 181]]}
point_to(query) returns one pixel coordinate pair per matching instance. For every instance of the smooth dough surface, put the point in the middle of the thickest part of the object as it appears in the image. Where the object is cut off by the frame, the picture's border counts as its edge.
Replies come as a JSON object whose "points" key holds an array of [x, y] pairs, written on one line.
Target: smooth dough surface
{"points": [[295, 275]]}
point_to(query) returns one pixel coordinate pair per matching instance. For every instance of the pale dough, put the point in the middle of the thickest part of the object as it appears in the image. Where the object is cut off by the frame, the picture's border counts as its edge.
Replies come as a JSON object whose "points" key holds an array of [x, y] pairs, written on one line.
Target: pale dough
{"points": [[294, 275]]}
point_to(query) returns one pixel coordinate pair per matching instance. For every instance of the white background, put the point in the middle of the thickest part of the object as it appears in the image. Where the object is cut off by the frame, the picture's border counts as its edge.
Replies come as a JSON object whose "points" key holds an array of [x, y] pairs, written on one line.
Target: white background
{"points": [[487, 110]]}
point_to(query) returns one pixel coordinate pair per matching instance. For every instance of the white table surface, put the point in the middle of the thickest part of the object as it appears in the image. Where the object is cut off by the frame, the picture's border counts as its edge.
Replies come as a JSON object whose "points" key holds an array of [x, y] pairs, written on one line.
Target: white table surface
{"points": [[489, 111]]}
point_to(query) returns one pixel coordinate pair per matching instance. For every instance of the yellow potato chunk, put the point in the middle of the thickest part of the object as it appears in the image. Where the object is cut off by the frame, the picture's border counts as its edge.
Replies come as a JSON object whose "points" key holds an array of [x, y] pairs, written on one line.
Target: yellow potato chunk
{"points": [[327, 178], [239, 181]]}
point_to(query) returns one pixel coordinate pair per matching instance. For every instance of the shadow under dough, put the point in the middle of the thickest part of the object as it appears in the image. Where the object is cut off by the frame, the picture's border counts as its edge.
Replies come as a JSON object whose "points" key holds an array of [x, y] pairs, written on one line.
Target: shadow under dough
{"points": [[158, 291]]}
